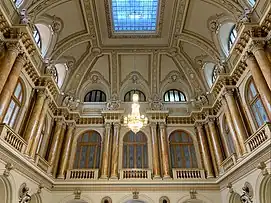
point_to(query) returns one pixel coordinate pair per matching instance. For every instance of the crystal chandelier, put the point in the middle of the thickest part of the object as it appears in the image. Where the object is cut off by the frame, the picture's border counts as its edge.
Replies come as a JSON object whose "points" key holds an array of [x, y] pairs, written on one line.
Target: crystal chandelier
{"points": [[135, 121]]}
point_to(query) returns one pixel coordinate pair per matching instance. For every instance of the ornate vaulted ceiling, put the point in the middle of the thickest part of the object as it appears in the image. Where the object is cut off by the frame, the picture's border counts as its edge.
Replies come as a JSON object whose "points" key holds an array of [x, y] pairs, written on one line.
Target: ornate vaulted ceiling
{"points": [[184, 36]]}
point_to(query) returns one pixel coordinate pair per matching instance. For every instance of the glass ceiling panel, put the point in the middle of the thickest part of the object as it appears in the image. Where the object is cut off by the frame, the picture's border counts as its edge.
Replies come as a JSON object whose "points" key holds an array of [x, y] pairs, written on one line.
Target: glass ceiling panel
{"points": [[134, 15]]}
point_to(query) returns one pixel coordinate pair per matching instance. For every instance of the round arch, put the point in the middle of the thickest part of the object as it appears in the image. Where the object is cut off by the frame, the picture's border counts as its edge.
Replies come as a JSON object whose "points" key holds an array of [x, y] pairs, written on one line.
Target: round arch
{"points": [[263, 194], [35, 198], [5, 189], [235, 198]]}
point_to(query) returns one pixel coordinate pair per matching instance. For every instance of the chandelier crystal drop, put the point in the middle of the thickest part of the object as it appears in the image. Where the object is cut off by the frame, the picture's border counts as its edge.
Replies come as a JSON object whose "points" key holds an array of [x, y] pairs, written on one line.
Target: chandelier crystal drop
{"points": [[135, 121]]}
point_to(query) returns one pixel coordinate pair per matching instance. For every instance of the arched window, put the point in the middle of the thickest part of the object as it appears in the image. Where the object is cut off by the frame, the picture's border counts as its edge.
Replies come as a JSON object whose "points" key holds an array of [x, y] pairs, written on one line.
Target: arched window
{"points": [[18, 3], [174, 95], [36, 35], [211, 73], [88, 150], [232, 37], [61, 71], [256, 105], [15, 105], [252, 2], [182, 150], [135, 152], [129, 96], [228, 136], [95, 96]]}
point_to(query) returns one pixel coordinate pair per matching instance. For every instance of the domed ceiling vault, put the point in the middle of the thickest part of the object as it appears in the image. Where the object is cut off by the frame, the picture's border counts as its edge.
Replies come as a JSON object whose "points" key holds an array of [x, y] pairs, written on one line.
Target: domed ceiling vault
{"points": [[87, 37]]}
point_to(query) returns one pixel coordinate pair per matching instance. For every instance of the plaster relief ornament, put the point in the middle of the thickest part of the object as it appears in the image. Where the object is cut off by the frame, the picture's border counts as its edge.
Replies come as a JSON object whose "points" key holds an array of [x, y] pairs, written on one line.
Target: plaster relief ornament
{"points": [[247, 195], [8, 168], [77, 194], [245, 17], [114, 102], [156, 103], [135, 195], [193, 194], [25, 18], [24, 197], [70, 102]]}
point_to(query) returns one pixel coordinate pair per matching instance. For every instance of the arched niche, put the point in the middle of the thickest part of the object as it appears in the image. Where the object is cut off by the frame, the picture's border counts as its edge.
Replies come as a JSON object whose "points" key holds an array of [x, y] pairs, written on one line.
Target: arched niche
{"points": [[235, 198], [5, 190], [265, 188], [35, 198]]}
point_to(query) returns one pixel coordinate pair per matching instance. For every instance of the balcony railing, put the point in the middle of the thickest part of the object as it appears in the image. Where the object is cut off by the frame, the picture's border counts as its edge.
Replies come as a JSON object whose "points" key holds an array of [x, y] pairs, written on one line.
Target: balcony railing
{"points": [[228, 163], [82, 174], [135, 173], [188, 173], [12, 138], [258, 138]]}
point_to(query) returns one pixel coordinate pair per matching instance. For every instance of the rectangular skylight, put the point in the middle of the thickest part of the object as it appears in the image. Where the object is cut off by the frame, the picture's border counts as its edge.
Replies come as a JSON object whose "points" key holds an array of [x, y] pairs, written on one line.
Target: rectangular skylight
{"points": [[134, 16]]}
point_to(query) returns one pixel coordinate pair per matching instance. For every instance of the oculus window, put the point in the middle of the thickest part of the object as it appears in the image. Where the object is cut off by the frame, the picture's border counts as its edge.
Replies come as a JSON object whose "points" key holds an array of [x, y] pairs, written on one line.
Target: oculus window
{"points": [[135, 15]]}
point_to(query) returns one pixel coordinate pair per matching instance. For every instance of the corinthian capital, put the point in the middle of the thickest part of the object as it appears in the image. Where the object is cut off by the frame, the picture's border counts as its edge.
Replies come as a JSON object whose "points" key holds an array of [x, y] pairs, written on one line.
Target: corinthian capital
{"points": [[248, 56], [13, 47], [257, 45]]}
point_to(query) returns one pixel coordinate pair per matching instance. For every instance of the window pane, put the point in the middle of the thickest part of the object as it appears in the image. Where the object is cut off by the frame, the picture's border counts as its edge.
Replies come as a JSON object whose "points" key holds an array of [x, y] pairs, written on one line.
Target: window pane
{"points": [[18, 90], [9, 112], [14, 116], [252, 89]]}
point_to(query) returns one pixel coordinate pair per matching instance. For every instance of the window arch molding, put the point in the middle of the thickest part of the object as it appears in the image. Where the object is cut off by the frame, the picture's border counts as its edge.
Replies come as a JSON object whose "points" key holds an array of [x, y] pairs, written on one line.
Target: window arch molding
{"points": [[250, 102], [106, 200], [163, 199]]}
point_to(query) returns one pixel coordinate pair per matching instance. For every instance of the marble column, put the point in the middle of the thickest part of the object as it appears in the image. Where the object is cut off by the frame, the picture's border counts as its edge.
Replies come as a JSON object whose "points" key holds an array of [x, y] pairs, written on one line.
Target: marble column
{"points": [[64, 161], [155, 153], [13, 49], [231, 127], [37, 138], [238, 123], [115, 152], [106, 154], [54, 146], [164, 151], [216, 142], [32, 125], [257, 49], [203, 144], [260, 82], [211, 150], [10, 84]]}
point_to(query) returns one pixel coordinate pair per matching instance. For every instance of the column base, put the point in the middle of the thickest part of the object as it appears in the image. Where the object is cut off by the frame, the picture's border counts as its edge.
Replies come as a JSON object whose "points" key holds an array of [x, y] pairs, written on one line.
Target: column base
{"points": [[157, 177], [167, 177], [104, 177], [114, 177], [62, 177]]}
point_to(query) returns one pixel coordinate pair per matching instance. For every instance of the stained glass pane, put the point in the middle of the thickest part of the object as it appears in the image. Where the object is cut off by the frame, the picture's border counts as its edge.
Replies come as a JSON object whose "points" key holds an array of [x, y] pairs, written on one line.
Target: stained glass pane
{"points": [[135, 15]]}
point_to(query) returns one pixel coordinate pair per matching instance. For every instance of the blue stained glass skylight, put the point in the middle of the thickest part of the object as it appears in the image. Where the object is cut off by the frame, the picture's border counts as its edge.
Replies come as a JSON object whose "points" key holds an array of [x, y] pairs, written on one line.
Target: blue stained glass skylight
{"points": [[134, 15]]}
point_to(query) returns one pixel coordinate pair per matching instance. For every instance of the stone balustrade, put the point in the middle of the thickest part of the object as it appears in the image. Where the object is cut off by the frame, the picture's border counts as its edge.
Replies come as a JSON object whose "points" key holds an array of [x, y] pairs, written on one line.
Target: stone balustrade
{"points": [[135, 174], [188, 173], [10, 137], [259, 137], [228, 163], [82, 174]]}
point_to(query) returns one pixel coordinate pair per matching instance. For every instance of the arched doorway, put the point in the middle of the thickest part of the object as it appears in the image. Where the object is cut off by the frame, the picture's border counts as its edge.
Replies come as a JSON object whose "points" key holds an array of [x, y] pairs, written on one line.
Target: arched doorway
{"points": [[5, 190]]}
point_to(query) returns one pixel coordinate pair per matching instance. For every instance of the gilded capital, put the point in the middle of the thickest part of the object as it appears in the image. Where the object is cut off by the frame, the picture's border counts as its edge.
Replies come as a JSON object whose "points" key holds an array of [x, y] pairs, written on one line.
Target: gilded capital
{"points": [[21, 59], [256, 45], [13, 47], [228, 91], [248, 56]]}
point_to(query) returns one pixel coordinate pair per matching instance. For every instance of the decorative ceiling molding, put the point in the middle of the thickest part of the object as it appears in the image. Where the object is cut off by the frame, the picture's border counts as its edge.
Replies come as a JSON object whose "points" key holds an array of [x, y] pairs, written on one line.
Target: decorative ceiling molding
{"points": [[67, 44], [198, 41]]}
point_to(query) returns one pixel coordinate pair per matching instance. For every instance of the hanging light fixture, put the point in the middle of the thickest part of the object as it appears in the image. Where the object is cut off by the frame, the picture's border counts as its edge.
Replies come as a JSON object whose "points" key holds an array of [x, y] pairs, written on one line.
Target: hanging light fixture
{"points": [[135, 121]]}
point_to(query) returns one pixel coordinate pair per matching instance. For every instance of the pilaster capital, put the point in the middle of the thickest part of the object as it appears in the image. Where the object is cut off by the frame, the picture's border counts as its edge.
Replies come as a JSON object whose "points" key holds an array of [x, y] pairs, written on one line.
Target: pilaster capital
{"points": [[249, 57], [71, 125], [42, 93], [107, 126], [211, 119], [59, 122], [13, 47], [256, 45], [162, 125], [153, 124], [116, 125], [2, 46], [228, 92], [21, 59]]}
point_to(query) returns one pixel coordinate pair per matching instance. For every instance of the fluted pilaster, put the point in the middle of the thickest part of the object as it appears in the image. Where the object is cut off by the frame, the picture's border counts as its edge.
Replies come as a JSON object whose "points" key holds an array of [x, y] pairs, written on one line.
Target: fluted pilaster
{"points": [[203, 144], [106, 155], [65, 156], [7, 62], [32, 125], [238, 123], [257, 49], [10, 84], [155, 153], [115, 152], [164, 151]]}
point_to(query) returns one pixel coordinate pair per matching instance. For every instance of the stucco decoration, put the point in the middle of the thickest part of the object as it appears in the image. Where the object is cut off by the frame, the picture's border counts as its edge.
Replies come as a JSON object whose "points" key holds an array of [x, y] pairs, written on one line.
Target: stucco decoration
{"points": [[8, 168], [114, 102], [70, 102], [156, 103], [24, 196], [247, 195]]}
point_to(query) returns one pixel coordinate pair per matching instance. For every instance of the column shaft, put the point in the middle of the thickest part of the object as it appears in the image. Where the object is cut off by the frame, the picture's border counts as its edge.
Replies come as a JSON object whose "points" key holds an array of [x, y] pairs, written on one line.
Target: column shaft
{"points": [[7, 62], [237, 120], [32, 125], [115, 152], [206, 158], [54, 146], [37, 138], [164, 151], [211, 150], [64, 161], [260, 83], [263, 61], [231, 127], [106, 147], [216, 142], [155, 154], [10, 85]]}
